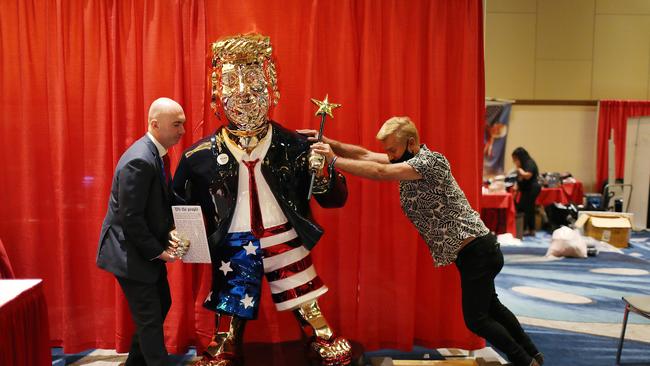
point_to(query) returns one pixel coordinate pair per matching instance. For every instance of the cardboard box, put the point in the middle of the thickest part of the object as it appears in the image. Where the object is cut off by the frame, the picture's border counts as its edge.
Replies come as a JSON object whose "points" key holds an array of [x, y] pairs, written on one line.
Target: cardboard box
{"points": [[610, 227]]}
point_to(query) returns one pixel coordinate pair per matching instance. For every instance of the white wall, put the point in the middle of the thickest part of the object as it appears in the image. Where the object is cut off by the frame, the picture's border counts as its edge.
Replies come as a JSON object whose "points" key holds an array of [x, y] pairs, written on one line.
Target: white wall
{"points": [[567, 49], [559, 138]]}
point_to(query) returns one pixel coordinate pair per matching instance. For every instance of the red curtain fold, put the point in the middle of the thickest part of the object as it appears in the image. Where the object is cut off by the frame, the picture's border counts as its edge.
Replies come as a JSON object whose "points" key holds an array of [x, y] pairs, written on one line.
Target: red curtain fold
{"points": [[613, 115], [6, 272], [78, 77]]}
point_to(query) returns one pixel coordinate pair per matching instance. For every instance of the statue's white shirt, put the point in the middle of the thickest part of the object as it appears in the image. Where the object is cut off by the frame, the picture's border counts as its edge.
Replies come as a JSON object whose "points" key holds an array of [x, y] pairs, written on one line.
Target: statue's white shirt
{"points": [[272, 214]]}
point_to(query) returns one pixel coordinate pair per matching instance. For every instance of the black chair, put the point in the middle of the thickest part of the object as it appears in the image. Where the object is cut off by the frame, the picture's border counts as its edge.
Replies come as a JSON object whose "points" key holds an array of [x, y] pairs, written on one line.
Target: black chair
{"points": [[639, 304], [616, 190]]}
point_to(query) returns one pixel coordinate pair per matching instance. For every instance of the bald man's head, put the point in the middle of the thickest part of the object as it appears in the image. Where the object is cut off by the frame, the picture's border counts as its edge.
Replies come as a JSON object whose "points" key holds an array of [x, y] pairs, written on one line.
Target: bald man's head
{"points": [[161, 106], [166, 121]]}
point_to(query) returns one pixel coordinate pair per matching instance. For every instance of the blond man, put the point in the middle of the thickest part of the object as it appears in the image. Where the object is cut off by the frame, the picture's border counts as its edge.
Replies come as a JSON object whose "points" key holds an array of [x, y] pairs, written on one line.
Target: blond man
{"points": [[432, 200]]}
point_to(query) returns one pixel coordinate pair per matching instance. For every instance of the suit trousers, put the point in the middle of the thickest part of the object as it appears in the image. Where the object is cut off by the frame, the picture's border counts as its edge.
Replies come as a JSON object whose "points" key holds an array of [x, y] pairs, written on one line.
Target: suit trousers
{"points": [[149, 304], [478, 263]]}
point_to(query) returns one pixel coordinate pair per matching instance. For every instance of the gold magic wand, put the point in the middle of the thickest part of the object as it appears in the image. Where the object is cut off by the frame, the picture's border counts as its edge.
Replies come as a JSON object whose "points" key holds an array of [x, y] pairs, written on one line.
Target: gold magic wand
{"points": [[324, 109]]}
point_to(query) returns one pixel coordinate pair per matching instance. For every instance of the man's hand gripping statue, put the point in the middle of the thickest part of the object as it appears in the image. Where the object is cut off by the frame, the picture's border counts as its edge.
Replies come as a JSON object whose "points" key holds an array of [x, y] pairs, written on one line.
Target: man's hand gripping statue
{"points": [[252, 179]]}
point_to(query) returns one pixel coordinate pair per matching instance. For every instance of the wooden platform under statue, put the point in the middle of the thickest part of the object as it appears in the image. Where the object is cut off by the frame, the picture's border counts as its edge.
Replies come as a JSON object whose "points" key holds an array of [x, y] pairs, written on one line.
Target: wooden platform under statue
{"points": [[289, 353], [444, 357]]}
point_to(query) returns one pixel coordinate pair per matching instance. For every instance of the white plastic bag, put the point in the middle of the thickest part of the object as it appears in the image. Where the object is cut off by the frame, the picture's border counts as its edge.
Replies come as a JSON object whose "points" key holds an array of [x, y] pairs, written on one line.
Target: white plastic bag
{"points": [[508, 239], [567, 243]]}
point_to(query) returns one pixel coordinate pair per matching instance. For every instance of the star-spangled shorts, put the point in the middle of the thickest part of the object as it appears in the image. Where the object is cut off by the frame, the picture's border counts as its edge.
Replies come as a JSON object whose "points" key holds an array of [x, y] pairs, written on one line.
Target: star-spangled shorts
{"points": [[242, 260]]}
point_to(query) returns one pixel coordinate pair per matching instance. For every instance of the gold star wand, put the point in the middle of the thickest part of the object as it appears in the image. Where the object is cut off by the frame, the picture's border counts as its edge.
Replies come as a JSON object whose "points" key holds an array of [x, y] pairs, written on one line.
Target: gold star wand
{"points": [[324, 109]]}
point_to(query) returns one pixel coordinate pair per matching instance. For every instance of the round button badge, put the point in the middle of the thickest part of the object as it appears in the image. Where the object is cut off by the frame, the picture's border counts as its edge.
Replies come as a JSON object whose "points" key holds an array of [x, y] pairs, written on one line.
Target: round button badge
{"points": [[222, 159]]}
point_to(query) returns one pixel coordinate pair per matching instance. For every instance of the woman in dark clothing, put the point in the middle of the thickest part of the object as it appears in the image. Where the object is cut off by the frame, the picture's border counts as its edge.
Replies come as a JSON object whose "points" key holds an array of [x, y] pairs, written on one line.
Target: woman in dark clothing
{"points": [[528, 185]]}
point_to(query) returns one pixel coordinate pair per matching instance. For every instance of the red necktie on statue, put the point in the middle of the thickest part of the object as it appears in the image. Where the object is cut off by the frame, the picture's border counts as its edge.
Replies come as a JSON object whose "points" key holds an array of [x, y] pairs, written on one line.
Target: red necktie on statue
{"points": [[257, 226], [167, 169]]}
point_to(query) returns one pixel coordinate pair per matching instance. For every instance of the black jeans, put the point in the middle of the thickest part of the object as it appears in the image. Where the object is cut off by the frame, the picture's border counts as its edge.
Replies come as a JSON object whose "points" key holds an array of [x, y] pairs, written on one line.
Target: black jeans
{"points": [[478, 263], [526, 205]]}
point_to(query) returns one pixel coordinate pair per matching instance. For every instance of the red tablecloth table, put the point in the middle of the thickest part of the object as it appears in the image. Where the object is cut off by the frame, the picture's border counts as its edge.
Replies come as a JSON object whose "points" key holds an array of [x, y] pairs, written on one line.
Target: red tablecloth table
{"points": [[24, 329], [575, 192], [548, 196], [498, 212]]}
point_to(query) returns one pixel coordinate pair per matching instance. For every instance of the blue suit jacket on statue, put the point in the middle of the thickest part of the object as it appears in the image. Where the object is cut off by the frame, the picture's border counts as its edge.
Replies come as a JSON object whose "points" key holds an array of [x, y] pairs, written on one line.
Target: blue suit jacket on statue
{"points": [[138, 219]]}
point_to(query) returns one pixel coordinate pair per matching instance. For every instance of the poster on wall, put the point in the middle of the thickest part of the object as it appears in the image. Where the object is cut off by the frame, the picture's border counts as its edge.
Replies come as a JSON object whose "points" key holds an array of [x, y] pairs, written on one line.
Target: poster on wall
{"points": [[497, 115]]}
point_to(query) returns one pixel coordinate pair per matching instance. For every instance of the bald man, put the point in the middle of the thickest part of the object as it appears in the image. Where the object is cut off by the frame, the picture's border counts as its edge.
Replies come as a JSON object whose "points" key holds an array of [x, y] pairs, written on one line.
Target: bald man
{"points": [[135, 241]]}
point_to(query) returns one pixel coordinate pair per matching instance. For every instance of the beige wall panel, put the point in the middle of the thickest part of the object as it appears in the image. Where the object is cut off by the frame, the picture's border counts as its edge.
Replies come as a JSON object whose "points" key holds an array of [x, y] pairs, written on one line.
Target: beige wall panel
{"points": [[623, 7], [563, 80], [510, 55], [559, 138], [511, 6], [565, 29], [621, 57]]}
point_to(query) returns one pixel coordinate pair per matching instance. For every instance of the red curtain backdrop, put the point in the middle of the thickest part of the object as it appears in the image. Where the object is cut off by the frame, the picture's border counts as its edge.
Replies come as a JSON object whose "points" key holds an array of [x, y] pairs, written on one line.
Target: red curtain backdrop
{"points": [[77, 80], [613, 115]]}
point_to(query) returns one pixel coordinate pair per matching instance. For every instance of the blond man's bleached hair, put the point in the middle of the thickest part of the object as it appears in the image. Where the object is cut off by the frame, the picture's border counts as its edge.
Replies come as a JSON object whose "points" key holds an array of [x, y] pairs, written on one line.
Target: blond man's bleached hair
{"points": [[402, 127]]}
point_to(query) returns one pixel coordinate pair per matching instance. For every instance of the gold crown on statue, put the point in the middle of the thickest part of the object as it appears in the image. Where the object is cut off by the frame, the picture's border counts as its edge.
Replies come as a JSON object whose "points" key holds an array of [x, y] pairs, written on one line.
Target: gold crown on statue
{"points": [[243, 49]]}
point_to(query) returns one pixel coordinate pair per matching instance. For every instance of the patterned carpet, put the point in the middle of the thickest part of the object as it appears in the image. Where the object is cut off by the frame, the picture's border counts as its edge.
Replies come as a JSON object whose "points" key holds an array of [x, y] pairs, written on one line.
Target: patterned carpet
{"points": [[573, 307]]}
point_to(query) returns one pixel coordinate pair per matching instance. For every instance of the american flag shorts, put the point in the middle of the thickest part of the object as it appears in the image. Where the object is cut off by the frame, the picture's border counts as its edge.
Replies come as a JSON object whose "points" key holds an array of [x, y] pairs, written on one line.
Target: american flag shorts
{"points": [[242, 260]]}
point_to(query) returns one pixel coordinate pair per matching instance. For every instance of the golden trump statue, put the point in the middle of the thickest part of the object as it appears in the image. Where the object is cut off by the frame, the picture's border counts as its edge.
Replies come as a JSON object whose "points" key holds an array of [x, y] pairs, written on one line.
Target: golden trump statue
{"points": [[252, 179]]}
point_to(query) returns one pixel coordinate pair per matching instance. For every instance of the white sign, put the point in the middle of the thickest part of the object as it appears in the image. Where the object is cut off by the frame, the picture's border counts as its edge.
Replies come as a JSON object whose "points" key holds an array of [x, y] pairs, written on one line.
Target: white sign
{"points": [[189, 224]]}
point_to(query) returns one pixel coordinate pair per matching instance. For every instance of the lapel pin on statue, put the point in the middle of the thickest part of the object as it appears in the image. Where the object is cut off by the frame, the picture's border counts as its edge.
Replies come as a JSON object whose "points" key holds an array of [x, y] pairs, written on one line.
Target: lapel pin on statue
{"points": [[222, 159]]}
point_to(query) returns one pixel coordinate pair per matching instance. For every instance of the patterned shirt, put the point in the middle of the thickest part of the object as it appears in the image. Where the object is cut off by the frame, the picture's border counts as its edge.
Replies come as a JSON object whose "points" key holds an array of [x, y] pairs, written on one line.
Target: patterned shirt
{"points": [[438, 207]]}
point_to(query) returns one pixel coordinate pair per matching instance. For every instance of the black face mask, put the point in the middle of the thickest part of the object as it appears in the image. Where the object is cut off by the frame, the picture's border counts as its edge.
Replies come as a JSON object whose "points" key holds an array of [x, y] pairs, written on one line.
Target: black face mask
{"points": [[406, 156]]}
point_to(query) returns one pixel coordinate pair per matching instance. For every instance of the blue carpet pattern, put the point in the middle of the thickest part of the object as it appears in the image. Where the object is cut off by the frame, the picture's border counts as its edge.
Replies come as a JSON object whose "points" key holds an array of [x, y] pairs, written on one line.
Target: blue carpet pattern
{"points": [[572, 276], [639, 245], [563, 348], [527, 266]]}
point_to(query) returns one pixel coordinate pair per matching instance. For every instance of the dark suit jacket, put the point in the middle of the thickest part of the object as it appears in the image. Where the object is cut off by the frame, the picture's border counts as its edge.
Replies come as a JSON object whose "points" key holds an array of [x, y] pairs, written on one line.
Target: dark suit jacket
{"points": [[201, 178], [139, 217]]}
